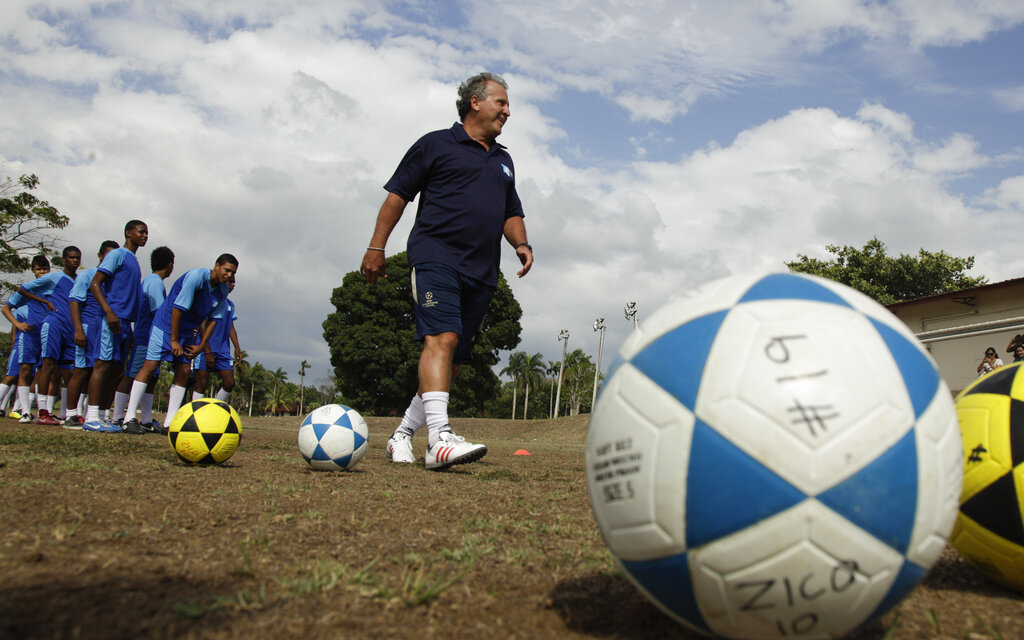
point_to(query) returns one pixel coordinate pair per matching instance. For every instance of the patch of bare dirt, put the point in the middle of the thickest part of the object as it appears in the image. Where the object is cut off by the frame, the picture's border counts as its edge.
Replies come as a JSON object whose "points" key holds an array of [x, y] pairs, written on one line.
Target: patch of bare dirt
{"points": [[109, 536]]}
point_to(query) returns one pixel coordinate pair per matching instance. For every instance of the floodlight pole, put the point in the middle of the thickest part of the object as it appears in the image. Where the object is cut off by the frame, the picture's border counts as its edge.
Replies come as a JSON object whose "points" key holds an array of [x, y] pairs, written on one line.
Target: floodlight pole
{"points": [[598, 326], [631, 314], [563, 336]]}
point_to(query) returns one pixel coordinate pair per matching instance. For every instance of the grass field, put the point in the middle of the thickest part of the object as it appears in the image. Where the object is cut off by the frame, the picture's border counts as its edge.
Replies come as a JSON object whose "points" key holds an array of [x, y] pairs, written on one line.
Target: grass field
{"points": [[109, 536]]}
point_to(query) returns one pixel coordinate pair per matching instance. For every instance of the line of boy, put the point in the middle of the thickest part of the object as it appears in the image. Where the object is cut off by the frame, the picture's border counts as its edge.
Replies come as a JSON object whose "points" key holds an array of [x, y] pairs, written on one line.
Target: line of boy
{"points": [[101, 317]]}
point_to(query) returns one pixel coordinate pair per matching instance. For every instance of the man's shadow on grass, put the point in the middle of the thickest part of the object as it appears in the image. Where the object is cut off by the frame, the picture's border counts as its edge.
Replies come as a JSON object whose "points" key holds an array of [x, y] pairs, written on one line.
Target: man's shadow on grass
{"points": [[120, 606]]}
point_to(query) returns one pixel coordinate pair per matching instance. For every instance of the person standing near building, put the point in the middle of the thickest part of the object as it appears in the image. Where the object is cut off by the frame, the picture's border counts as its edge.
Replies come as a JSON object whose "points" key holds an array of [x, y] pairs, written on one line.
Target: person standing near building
{"points": [[468, 202]]}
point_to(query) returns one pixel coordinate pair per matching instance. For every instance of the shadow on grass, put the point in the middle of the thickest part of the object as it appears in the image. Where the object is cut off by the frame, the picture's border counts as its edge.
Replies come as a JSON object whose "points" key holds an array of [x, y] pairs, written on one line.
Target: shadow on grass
{"points": [[953, 573], [609, 606], [124, 606]]}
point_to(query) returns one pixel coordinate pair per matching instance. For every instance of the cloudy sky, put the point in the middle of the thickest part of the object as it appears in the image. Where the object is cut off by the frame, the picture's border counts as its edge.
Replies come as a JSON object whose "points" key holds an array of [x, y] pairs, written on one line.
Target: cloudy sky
{"points": [[658, 145]]}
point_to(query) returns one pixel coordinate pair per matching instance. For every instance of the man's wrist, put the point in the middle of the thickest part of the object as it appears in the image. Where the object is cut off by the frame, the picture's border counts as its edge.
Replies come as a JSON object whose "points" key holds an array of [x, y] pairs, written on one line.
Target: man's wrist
{"points": [[525, 244]]}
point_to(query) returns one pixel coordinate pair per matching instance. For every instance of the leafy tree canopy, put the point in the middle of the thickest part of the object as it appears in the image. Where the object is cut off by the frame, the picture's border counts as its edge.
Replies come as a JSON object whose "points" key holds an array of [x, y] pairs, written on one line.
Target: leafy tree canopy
{"points": [[890, 279], [374, 352], [27, 226]]}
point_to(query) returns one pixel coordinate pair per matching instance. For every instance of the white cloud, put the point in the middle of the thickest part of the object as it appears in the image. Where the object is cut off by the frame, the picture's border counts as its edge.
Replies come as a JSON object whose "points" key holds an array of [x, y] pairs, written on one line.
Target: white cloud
{"points": [[1011, 99], [272, 142]]}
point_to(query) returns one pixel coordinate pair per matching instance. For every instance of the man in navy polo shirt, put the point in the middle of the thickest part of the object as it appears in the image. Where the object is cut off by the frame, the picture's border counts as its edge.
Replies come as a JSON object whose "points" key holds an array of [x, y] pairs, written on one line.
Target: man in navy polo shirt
{"points": [[468, 201]]}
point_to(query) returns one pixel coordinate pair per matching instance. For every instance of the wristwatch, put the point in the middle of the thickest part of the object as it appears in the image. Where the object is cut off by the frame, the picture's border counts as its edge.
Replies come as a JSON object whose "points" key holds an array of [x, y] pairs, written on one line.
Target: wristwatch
{"points": [[525, 244]]}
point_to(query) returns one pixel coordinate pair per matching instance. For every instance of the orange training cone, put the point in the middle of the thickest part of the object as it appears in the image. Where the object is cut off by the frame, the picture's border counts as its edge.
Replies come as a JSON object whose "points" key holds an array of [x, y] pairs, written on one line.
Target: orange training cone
{"points": [[521, 452]]}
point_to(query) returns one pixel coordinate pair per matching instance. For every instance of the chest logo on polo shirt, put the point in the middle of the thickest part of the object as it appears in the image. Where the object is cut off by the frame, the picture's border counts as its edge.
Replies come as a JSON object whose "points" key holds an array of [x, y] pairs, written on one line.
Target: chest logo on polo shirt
{"points": [[508, 172]]}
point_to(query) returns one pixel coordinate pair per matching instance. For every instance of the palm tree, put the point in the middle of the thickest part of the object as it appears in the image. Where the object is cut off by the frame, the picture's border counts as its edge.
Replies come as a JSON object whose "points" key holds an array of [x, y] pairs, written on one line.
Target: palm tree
{"points": [[516, 365], [279, 375], [532, 372], [303, 368], [554, 367], [281, 397], [257, 373]]}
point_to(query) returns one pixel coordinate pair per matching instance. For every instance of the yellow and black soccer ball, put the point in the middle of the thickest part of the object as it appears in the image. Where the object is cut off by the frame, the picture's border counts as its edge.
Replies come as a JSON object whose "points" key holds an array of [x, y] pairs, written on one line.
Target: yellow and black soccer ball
{"points": [[205, 431], [989, 530]]}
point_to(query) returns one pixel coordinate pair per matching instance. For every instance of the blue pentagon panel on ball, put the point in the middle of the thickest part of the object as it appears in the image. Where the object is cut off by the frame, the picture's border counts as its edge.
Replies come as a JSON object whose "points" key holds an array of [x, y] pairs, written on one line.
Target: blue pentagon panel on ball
{"points": [[728, 476], [786, 286], [918, 372], [681, 376]]}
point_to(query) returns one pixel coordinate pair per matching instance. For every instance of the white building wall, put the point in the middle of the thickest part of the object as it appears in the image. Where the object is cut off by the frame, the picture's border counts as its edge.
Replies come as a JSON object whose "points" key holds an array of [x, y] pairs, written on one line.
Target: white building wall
{"points": [[958, 356]]}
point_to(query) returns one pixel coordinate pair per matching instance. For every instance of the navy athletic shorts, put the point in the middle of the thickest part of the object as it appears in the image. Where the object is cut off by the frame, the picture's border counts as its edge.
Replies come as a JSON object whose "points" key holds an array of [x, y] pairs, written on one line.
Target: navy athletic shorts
{"points": [[447, 301]]}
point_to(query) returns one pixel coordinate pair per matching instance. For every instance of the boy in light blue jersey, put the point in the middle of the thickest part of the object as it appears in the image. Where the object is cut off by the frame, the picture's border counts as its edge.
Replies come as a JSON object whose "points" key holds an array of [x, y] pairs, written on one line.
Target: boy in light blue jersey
{"points": [[161, 261], [86, 316], [117, 287], [195, 303], [217, 356], [9, 384], [56, 334], [28, 346]]}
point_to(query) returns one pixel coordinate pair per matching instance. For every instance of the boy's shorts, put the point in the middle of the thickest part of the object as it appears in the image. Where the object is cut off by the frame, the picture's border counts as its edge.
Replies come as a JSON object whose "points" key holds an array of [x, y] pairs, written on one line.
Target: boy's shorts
{"points": [[159, 348], [447, 301], [137, 359], [12, 364], [57, 342], [108, 346], [84, 359], [221, 362], [28, 347]]}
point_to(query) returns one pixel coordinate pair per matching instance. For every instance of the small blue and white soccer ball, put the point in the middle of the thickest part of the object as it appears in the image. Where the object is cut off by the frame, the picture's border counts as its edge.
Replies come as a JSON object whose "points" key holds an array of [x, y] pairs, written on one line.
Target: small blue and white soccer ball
{"points": [[333, 437], [774, 456]]}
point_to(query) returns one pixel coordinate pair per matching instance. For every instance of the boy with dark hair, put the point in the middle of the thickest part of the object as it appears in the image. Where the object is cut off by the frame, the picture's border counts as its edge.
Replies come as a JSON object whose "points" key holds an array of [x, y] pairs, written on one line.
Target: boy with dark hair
{"points": [[85, 320], [56, 335], [161, 261], [117, 287], [217, 356], [28, 345], [196, 300]]}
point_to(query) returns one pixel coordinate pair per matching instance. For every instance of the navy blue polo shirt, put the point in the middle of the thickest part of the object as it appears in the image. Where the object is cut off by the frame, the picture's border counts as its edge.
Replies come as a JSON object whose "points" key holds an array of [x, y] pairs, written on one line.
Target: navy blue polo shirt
{"points": [[466, 194]]}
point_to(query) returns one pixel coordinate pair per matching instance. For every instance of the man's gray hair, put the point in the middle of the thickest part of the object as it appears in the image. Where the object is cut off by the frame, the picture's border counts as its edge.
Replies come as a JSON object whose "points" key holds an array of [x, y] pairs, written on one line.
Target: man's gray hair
{"points": [[476, 86]]}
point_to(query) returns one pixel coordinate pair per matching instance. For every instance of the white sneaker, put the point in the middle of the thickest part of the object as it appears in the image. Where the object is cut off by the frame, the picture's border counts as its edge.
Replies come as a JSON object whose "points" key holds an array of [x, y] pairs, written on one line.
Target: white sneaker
{"points": [[399, 448], [451, 449]]}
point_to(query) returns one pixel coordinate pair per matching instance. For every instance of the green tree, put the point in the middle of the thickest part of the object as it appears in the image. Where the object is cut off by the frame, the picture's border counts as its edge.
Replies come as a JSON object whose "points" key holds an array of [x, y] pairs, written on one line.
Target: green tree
{"points": [[532, 375], [554, 367], [279, 400], [371, 336], [514, 370], [890, 279], [254, 377], [578, 384], [27, 226]]}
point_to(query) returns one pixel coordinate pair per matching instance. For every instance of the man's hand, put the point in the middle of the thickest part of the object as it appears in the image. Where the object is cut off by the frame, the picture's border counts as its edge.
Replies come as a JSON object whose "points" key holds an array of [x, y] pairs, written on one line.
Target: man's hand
{"points": [[525, 255], [374, 266]]}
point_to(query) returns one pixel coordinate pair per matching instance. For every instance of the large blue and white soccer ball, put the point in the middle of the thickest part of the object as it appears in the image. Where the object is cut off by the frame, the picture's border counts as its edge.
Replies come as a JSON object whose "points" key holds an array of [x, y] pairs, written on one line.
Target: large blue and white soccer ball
{"points": [[774, 456], [333, 437]]}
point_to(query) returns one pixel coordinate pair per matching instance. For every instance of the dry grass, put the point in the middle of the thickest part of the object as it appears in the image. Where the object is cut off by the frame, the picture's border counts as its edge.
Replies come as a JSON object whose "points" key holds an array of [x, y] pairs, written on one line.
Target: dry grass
{"points": [[108, 536]]}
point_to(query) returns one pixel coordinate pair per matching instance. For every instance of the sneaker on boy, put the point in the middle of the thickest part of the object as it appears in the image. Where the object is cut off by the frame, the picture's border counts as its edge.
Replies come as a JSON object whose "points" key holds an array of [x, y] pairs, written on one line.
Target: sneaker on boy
{"points": [[74, 423], [133, 426], [46, 418]]}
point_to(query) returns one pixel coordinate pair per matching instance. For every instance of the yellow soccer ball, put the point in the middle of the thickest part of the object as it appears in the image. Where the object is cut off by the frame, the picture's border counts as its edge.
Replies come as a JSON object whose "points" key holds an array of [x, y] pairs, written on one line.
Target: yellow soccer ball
{"points": [[989, 530], [205, 431]]}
